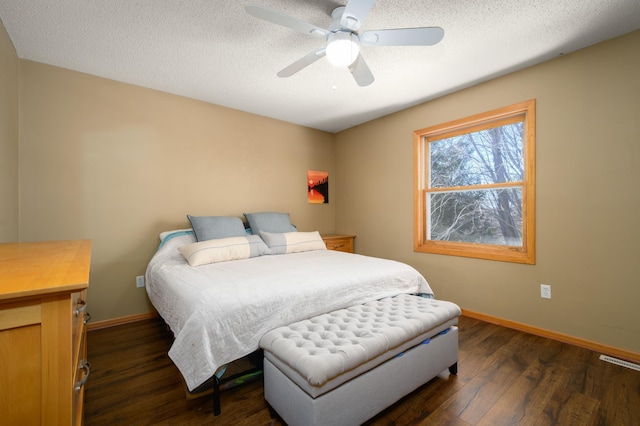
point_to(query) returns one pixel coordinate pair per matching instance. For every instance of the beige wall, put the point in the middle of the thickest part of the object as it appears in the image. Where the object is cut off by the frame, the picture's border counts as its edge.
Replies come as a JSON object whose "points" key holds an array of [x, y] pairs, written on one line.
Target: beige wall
{"points": [[8, 139], [118, 164], [588, 202]]}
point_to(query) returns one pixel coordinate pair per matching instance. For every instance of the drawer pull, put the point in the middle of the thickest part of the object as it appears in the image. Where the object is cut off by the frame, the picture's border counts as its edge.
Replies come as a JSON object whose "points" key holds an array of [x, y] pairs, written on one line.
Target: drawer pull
{"points": [[82, 307], [86, 366], [87, 317], [337, 246]]}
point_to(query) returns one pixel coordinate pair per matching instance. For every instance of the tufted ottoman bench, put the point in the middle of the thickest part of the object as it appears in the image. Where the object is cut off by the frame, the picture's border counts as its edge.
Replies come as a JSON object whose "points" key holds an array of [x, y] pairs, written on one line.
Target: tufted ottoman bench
{"points": [[344, 367]]}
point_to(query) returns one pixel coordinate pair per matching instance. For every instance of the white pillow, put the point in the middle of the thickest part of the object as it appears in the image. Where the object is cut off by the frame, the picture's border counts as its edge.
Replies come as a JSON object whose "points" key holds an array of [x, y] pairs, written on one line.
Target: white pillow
{"points": [[223, 250], [293, 242]]}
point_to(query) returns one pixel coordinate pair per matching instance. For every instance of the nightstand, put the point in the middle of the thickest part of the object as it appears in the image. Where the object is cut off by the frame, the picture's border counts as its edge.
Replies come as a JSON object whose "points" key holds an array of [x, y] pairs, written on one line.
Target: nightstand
{"points": [[339, 242]]}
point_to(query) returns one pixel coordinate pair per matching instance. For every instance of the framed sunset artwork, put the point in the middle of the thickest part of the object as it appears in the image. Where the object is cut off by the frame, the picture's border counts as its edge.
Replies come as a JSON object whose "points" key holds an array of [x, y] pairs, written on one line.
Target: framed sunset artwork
{"points": [[317, 187]]}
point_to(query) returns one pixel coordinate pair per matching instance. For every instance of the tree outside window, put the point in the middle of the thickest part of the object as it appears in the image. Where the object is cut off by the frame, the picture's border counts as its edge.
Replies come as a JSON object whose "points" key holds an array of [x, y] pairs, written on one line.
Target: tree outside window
{"points": [[474, 191]]}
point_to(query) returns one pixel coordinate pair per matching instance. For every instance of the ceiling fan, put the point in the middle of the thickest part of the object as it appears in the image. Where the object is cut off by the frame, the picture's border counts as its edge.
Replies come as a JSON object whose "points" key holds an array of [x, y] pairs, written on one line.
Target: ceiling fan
{"points": [[343, 41]]}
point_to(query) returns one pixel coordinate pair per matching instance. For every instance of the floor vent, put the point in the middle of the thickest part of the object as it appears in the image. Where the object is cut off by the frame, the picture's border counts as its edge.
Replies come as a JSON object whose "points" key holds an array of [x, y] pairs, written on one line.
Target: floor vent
{"points": [[620, 362]]}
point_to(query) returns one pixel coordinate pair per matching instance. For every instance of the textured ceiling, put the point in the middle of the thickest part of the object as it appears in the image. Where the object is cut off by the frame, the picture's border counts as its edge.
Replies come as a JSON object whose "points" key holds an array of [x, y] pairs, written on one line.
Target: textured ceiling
{"points": [[214, 51]]}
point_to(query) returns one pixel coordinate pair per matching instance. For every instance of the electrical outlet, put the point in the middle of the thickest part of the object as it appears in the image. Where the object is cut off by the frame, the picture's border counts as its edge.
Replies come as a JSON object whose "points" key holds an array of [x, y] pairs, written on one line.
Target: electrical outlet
{"points": [[545, 291], [140, 281]]}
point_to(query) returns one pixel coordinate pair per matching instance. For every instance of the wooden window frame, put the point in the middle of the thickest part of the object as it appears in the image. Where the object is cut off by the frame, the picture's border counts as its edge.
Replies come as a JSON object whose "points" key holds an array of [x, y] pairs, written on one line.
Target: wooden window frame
{"points": [[525, 112]]}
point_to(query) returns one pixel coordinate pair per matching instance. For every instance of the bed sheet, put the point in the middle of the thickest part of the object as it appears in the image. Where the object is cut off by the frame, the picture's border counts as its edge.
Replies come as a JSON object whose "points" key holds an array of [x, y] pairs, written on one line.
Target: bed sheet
{"points": [[219, 312]]}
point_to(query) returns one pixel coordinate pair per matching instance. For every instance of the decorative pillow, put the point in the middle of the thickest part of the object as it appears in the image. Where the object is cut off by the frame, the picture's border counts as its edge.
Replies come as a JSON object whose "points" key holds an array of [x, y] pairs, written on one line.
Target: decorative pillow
{"points": [[211, 227], [223, 250], [269, 222], [293, 242]]}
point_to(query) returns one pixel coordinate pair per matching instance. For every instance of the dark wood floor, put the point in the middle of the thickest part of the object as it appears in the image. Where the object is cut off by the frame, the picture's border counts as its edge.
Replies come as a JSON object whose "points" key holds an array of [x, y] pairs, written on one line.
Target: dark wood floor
{"points": [[505, 377]]}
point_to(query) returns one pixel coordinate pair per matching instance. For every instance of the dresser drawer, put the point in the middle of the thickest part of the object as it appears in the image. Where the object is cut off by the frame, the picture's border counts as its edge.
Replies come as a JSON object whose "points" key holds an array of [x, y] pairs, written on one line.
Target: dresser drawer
{"points": [[339, 242]]}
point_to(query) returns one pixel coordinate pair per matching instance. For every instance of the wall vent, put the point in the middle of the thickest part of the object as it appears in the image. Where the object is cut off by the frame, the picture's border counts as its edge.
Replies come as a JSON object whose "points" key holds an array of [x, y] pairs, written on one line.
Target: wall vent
{"points": [[620, 362]]}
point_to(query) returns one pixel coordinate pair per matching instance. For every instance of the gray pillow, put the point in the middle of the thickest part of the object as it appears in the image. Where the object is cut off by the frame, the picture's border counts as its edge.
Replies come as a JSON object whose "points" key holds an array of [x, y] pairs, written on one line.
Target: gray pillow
{"points": [[213, 227], [269, 222]]}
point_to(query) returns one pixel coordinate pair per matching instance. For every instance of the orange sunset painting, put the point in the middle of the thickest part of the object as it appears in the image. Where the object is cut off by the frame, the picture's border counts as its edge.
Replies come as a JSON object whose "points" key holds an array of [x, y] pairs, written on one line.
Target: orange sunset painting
{"points": [[317, 187]]}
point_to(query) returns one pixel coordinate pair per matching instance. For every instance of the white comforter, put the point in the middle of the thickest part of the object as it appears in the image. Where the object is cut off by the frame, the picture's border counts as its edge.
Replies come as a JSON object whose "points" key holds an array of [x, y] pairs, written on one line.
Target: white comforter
{"points": [[219, 312]]}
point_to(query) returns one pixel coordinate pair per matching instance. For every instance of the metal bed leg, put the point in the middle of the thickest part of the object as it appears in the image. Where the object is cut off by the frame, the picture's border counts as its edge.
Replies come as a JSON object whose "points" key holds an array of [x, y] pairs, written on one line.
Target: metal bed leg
{"points": [[216, 396], [220, 383]]}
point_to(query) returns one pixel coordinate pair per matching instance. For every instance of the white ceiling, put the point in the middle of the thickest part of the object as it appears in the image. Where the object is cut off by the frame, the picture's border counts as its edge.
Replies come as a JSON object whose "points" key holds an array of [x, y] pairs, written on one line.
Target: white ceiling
{"points": [[212, 50]]}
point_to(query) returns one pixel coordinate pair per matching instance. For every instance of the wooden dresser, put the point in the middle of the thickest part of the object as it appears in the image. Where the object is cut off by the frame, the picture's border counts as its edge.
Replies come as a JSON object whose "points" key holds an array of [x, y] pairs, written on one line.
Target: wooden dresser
{"points": [[339, 242], [43, 301]]}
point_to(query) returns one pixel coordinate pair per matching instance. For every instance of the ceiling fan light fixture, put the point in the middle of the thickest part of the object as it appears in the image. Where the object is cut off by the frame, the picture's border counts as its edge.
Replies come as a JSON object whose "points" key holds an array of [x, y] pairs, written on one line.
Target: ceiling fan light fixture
{"points": [[343, 48]]}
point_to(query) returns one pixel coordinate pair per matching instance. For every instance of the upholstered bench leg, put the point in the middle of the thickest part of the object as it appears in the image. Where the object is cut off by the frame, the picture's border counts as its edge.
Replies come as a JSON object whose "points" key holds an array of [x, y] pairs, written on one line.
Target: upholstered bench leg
{"points": [[454, 368], [273, 413]]}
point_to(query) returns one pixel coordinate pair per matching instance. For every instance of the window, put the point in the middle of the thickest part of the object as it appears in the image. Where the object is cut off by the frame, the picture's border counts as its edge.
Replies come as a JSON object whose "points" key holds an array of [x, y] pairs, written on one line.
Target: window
{"points": [[475, 186]]}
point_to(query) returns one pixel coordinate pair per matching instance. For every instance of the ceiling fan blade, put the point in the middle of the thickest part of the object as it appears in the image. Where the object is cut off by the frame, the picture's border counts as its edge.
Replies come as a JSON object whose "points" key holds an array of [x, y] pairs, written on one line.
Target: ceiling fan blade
{"points": [[361, 72], [425, 36], [285, 20], [301, 63], [354, 13]]}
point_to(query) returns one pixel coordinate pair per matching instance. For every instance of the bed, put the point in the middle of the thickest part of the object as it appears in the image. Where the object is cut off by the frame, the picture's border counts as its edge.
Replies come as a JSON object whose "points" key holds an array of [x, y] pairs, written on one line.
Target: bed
{"points": [[218, 311]]}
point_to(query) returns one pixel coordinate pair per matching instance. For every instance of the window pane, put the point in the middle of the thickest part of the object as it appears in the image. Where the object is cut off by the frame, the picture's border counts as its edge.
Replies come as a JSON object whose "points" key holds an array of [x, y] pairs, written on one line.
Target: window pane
{"points": [[488, 156], [490, 216]]}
